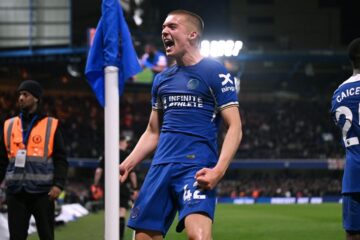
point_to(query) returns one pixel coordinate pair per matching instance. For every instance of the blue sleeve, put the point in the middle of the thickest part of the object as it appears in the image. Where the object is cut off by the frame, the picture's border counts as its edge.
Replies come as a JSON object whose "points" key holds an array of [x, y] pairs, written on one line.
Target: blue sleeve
{"points": [[223, 87], [148, 64], [155, 99]]}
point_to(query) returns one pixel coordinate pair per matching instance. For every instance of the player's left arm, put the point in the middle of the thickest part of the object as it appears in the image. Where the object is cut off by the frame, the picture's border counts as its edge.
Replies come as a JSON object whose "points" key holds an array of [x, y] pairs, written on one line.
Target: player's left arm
{"points": [[207, 178]]}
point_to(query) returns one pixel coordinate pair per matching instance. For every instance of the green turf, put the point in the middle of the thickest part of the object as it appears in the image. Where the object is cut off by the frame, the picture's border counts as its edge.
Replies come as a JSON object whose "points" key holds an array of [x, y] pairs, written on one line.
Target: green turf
{"points": [[145, 76], [244, 222], [90, 227]]}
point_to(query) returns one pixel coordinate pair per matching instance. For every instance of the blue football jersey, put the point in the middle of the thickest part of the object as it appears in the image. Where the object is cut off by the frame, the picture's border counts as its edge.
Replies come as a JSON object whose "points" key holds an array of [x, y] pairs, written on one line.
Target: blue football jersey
{"points": [[345, 111], [191, 98]]}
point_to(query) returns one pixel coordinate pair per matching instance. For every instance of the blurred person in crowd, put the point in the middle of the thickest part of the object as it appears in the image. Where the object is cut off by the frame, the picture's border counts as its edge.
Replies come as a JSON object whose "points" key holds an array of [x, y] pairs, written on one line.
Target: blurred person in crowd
{"points": [[34, 164], [153, 59], [345, 110], [128, 189], [188, 101]]}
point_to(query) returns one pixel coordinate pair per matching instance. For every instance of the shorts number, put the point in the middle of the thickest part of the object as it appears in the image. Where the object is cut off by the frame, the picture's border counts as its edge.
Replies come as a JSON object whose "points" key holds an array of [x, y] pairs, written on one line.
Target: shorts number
{"points": [[347, 125], [188, 195]]}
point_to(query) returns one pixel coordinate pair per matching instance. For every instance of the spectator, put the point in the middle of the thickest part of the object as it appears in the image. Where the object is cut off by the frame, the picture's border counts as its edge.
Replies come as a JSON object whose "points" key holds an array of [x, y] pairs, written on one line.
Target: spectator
{"points": [[153, 59]]}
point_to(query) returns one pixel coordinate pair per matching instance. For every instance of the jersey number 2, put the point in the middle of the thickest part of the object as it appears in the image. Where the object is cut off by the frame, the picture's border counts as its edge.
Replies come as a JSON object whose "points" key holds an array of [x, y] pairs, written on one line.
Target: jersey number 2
{"points": [[347, 125]]}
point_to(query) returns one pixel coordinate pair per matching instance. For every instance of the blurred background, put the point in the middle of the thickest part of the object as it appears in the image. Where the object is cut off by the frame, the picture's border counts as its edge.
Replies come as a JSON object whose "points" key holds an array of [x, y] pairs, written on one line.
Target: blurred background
{"points": [[288, 58]]}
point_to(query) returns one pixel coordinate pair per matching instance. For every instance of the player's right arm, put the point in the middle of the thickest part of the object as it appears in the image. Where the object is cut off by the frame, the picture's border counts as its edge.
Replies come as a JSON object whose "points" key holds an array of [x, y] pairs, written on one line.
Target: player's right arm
{"points": [[146, 145]]}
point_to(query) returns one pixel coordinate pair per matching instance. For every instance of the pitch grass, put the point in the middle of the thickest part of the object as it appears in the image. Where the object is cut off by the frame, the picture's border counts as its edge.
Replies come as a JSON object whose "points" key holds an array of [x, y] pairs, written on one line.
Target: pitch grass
{"points": [[243, 222]]}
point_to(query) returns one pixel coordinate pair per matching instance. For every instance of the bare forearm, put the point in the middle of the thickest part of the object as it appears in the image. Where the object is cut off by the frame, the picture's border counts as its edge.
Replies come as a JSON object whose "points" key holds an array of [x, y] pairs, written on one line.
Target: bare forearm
{"points": [[208, 178], [145, 146], [230, 145]]}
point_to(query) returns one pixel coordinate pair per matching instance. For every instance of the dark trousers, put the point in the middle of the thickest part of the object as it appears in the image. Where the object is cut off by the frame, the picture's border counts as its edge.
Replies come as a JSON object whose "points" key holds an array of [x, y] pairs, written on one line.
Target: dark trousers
{"points": [[20, 208]]}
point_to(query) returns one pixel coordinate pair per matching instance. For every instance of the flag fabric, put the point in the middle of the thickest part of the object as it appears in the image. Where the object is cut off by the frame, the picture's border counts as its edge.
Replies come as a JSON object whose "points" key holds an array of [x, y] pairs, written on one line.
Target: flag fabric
{"points": [[112, 46]]}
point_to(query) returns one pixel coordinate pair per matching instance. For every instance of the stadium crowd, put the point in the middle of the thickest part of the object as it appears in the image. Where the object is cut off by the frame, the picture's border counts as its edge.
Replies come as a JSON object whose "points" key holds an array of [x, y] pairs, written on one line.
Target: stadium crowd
{"points": [[272, 130], [288, 129], [281, 184], [275, 129]]}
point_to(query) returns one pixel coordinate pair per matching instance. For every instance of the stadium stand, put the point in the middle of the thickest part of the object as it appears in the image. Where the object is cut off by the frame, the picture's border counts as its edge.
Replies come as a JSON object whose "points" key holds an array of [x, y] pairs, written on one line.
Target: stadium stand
{"points": [[272, 129]]}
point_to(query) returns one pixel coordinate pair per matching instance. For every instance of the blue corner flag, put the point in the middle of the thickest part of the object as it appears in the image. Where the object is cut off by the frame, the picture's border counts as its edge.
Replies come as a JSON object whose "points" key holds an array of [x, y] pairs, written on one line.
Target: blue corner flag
{"points": [[112, 46]]}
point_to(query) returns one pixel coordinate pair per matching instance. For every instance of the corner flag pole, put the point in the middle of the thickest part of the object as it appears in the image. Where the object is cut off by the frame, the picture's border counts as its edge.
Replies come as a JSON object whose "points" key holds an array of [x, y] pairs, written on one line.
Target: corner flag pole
{"points": [[112, 128], [113, 49]]}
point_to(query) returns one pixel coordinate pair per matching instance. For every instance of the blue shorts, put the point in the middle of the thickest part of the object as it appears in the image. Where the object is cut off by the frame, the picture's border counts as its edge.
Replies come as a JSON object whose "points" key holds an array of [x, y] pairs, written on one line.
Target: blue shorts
{"points": [[351, 212], [169, 188]]}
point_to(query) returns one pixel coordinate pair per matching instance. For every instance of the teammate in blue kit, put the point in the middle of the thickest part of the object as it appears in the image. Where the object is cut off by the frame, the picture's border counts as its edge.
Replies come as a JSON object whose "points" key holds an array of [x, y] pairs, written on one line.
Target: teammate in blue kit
{"points": [[153, 59], [346, 110], [188, 100]]}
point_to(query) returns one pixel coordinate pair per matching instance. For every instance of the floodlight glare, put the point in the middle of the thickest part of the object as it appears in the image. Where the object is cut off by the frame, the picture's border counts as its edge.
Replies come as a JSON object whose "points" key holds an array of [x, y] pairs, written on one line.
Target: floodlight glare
{"points": [[229, 45], [238, 46], [205, 48], [215, 50], [220, 48]]}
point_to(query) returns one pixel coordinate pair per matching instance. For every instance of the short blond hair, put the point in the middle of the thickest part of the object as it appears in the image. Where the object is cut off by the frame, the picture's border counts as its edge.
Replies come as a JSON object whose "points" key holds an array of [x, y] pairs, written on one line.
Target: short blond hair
{"points": [[195, 19]]}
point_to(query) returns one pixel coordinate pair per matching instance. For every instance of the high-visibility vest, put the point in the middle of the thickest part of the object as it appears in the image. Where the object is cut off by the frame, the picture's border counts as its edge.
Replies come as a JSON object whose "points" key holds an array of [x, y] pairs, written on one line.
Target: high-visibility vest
{"points": [[37, 175]]}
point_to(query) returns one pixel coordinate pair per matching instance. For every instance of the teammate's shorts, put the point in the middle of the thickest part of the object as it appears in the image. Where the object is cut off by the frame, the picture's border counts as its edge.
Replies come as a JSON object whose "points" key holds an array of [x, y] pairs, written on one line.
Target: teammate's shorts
{"points": [[169, 188], [351, 212], [125, 195], [125, 202]]}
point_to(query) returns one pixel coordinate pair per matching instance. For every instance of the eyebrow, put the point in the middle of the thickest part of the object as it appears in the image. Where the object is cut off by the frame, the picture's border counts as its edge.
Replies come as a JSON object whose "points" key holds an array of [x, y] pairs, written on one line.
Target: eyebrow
{"points": [[169, 25]]}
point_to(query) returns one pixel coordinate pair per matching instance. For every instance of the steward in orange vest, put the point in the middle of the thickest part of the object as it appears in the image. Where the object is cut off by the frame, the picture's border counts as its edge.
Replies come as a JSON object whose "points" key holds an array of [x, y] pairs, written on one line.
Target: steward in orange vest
{"points": [[33, 163], [37, 172]]}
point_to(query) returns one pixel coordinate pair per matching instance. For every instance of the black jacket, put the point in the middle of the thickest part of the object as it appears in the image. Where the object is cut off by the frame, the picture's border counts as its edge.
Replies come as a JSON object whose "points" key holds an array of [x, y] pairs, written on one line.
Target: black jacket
{"points": [[59, 154]]}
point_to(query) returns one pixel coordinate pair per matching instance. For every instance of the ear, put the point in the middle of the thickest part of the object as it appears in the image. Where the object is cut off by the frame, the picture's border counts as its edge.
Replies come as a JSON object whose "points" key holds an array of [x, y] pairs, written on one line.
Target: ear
{"points": [[193, 35]]}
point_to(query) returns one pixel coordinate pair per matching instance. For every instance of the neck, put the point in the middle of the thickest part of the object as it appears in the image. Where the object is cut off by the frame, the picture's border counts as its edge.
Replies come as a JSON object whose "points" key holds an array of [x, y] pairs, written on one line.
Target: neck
{"points": [[33, 109], [29, 112], [356, 71], [189, 58]]}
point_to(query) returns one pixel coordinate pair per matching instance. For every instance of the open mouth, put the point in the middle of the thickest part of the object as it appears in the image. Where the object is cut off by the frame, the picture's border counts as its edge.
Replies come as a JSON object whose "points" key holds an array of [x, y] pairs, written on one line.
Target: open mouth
{"points": [[168, 43]]}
